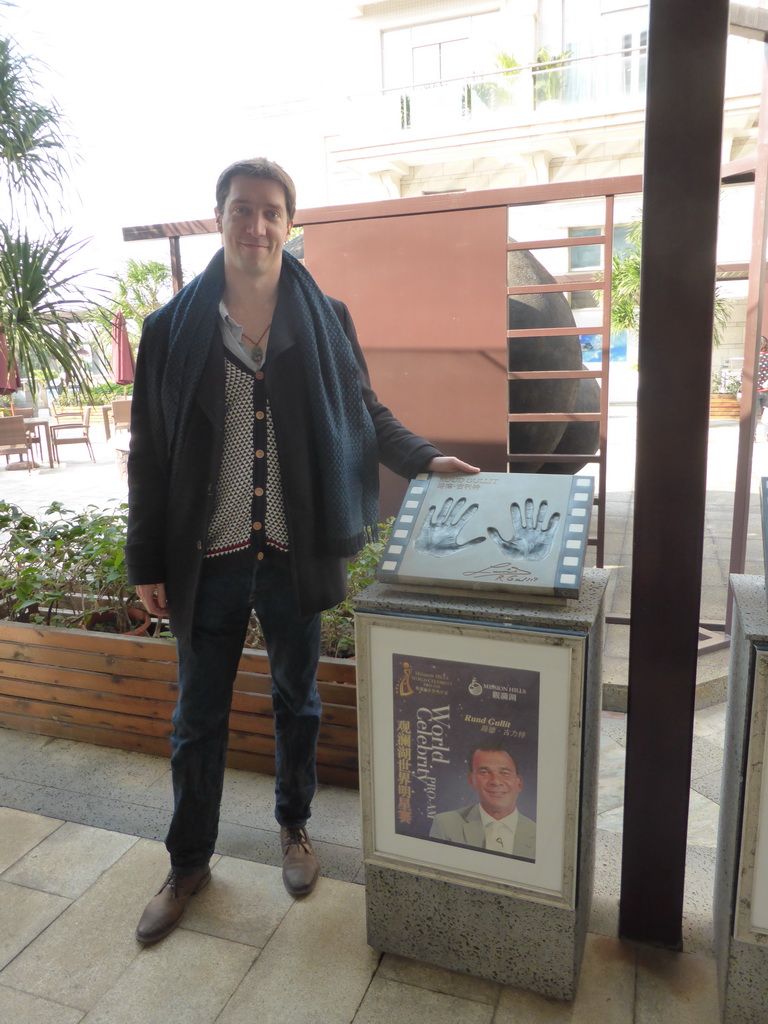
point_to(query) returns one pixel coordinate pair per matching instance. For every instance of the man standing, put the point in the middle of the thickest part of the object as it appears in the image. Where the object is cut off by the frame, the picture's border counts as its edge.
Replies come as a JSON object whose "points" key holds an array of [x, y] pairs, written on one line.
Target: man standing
{"points": [[494, 823], [253, 468]]}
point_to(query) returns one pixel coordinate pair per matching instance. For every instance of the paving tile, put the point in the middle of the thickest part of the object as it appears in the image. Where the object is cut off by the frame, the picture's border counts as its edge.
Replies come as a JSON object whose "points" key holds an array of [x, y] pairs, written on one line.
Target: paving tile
{"points": [[21, 796], [612, 820], [249, 799], [610, 783], [318, 959], [20, 832], [436, 979], [707, 756], [613, 725], [604, 912], [25, 913], [70, 860], [698, 897], [605, 992], [339, 862], [87, 768], [709, 785], [85, 809], [336, 816], [16, 747], [389, 1001], [709, 723], [83, 953], [703, 821], [675, 987], [188, 979], [22, 1008], [245, 902], [158, 793]]}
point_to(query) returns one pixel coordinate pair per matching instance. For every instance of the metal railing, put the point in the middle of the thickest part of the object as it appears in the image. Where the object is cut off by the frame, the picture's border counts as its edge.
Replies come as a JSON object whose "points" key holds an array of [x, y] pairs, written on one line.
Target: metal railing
{"points": [[605, 81]]}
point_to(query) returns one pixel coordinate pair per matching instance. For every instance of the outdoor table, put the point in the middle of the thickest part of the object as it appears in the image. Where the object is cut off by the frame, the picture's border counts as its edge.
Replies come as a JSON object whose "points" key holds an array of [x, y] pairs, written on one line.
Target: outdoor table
{"points": [[45, 423]]}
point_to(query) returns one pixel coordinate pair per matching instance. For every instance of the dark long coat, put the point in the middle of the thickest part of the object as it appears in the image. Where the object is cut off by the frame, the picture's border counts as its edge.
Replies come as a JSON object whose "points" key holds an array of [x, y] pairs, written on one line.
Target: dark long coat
{"points": [[168, 522]]}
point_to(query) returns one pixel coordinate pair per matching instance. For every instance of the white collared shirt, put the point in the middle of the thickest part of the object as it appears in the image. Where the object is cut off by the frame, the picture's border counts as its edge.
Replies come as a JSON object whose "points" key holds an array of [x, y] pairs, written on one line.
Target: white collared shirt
{"points": [[232, 333], [499, 832]]}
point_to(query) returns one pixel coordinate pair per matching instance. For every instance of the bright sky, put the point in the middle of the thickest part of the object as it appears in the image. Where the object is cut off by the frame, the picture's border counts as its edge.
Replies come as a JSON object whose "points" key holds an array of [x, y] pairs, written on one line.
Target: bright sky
{"points": [[159, 95]]}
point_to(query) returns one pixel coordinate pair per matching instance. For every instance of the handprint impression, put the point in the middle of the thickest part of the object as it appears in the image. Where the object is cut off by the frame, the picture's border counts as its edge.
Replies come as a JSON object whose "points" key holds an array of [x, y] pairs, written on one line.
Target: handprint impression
{"points": [[533, 540], [438, 536]]}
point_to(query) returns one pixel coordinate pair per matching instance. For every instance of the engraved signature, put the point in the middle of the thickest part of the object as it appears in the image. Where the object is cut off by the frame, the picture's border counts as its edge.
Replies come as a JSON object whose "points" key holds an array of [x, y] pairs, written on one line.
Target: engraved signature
{"points": [[502, 572]]}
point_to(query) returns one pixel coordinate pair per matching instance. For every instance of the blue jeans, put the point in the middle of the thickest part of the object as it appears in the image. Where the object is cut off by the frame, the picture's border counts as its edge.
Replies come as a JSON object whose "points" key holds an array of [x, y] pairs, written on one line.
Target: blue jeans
{"points": [[207, 669]]}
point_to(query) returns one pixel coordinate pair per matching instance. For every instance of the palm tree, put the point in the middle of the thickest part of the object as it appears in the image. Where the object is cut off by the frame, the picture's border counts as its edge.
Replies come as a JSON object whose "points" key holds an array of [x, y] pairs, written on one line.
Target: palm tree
{"points": [[142, 288], [625, 293], [32, 142], [43, 309]]}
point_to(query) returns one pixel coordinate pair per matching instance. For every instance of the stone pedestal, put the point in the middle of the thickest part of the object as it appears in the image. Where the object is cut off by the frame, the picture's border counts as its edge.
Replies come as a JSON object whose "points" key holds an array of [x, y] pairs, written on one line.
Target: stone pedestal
{"points": [[503, 918], [741, 880]]}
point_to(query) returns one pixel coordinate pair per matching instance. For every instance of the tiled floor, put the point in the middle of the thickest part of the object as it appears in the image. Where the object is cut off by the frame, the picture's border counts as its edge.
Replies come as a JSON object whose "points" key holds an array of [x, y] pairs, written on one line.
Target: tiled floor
{"points": [[80, 855]]}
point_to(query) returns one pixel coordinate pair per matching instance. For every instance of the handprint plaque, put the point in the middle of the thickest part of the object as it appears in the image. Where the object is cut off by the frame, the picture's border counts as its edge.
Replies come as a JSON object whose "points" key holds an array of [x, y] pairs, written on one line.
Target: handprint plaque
{"points": [[511, 532]]}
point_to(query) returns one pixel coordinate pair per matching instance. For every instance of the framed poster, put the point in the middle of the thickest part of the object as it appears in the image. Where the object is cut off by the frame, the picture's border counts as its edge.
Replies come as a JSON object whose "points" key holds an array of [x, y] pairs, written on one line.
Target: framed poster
{"points": [[471, 750], [751, 918]]}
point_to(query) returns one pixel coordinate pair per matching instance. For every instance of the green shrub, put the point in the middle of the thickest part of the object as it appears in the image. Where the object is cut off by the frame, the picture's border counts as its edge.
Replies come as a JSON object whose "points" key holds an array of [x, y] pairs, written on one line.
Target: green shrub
{"points": [[100, 394], [60, 567]]}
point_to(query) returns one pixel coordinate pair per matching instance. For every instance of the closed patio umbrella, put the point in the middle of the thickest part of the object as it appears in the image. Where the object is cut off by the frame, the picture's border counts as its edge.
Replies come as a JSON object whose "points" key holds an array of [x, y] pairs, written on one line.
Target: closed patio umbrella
{"points": [[122, 356], [10, 380]]}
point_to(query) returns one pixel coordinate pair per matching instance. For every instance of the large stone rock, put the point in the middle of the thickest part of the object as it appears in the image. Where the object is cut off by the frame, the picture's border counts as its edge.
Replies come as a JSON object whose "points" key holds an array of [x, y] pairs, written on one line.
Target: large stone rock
{"points": [[544, 310]]}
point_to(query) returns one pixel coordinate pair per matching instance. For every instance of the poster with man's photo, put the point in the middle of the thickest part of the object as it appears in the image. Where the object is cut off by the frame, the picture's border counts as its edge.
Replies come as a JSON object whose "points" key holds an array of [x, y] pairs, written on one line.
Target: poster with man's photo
{"points": [[466, 754]]}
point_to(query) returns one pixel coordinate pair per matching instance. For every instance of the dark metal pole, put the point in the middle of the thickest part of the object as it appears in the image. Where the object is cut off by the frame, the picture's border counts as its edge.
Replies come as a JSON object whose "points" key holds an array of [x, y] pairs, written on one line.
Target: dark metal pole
{"points": [[686, 67], [177, 273]]}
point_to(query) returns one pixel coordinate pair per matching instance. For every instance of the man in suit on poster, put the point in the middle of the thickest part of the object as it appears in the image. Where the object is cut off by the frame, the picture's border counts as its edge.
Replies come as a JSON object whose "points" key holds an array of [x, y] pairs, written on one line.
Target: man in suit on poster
{"points": [[494, 823]]}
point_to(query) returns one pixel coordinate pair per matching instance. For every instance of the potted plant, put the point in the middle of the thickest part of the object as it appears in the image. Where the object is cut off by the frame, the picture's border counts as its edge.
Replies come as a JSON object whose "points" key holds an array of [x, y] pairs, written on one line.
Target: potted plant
{"points": [[56, 570]]}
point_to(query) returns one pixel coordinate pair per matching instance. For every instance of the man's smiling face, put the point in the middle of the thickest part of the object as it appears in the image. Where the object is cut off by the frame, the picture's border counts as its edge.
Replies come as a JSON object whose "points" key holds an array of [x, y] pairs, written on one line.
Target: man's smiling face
{"points": [[494, 778], [254, 226]]}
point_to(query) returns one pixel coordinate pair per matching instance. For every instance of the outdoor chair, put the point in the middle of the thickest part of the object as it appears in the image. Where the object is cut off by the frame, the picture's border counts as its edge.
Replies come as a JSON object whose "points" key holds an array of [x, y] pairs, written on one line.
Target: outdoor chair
{"points": [[121, 413], [13, 440], [67, 412], [33, 431], [73, 427]]}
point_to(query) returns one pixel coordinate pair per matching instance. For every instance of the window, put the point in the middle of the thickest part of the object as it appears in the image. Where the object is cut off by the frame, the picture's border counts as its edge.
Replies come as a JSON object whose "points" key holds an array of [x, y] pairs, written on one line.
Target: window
{"points": [[586, 258], [440, 51], [634, 49], [590, 257]]}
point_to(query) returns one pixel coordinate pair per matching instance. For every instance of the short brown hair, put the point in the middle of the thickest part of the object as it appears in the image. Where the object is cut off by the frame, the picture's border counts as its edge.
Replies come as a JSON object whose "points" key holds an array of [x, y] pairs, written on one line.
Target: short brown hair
{"points": [[257, 167], [492, 747]]}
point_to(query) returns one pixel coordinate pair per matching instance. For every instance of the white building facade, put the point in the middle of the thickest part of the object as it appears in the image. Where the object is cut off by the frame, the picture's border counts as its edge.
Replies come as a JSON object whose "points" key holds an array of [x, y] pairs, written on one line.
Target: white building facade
{"points": [[440, 96]]}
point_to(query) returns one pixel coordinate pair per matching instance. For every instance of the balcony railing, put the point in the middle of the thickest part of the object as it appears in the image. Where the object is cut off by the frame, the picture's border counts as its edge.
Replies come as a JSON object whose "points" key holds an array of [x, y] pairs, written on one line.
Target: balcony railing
{"points": [[609, 80], [573, 87]]}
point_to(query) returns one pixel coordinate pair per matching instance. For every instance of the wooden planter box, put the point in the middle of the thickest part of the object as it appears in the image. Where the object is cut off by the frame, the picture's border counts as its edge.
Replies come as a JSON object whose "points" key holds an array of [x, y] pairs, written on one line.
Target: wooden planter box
{"points": [[724, 407], [120, 691]]}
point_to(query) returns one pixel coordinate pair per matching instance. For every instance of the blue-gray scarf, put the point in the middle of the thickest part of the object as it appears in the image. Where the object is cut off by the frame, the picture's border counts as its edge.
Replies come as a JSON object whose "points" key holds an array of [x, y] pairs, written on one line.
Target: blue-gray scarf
{"points": [[343, 429]]}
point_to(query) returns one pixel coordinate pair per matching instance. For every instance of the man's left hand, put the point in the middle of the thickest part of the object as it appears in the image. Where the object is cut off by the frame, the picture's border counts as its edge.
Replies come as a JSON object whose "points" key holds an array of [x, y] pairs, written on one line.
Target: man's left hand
{"points": [[450, 464]]}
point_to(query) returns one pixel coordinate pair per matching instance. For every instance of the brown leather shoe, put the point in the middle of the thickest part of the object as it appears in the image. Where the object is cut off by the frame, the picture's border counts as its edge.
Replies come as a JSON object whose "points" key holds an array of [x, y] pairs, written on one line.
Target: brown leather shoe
{"points": [[163, 912], [300, 866]]}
